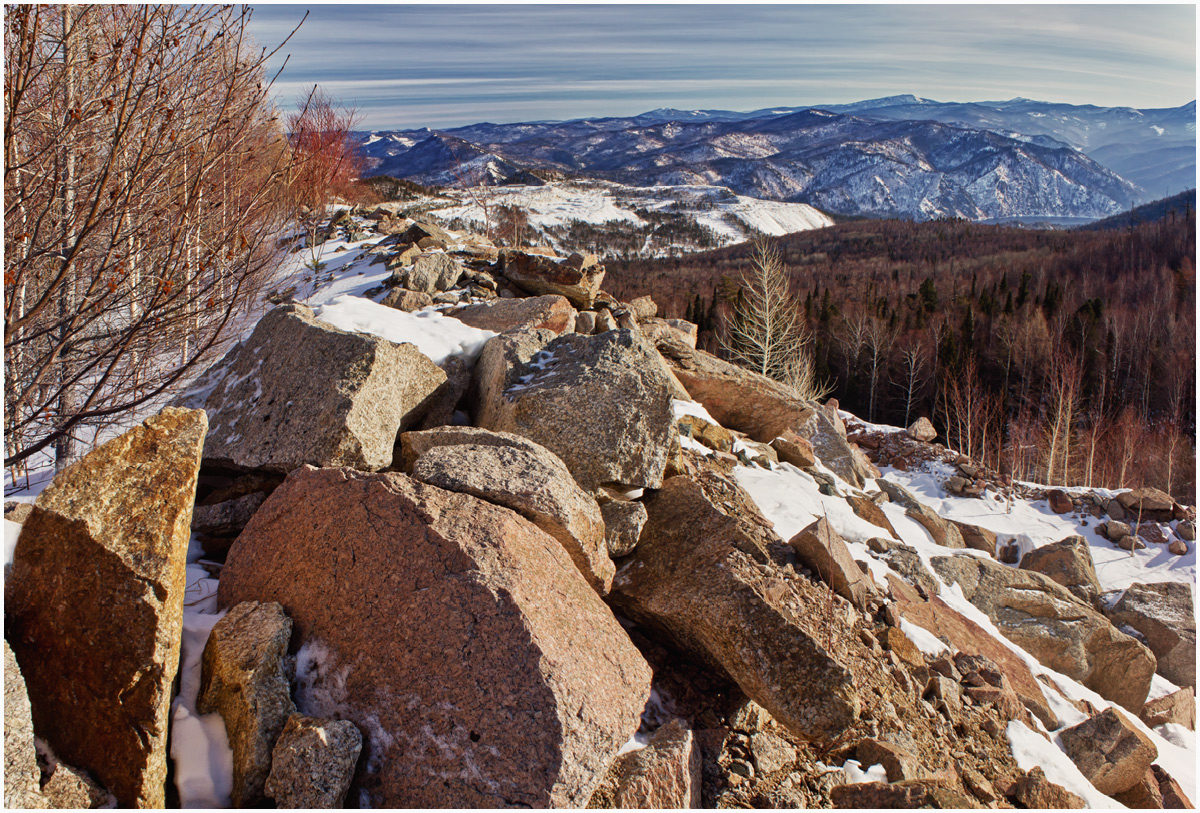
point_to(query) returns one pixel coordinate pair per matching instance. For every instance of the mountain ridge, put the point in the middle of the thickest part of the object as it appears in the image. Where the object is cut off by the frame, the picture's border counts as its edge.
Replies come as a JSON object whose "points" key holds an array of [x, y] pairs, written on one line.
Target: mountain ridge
{"points": [[979, 160]]}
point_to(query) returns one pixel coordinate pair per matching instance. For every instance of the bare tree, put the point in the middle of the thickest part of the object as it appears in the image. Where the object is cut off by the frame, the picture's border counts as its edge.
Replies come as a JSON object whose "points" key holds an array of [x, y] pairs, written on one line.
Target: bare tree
{"points": [[764, 330], [1065, 376], [143, 175], [914, 370]]}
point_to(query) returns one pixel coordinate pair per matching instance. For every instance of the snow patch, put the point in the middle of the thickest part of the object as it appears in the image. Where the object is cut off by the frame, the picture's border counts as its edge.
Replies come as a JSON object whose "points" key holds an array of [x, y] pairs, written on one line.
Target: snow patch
{"points": [[437, 336]]}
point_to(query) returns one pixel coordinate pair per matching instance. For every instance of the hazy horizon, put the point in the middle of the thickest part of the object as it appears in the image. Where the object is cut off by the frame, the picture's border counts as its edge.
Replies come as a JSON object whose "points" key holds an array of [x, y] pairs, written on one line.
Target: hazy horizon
{"points": [[408, 66]]}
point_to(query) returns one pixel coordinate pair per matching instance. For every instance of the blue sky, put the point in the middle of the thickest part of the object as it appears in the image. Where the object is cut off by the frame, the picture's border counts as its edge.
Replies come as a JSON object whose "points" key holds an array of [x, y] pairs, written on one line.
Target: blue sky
{"points": [[446, 65]]}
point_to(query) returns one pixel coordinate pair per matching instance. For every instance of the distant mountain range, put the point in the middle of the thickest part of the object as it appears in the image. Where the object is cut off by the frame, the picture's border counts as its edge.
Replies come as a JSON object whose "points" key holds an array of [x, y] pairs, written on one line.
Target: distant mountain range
{"points": [[901, 156]]}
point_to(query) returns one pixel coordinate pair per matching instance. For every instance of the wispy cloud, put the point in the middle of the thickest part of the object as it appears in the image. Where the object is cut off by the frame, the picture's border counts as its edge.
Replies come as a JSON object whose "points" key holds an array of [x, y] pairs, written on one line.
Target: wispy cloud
{"points": [[415, 65]]}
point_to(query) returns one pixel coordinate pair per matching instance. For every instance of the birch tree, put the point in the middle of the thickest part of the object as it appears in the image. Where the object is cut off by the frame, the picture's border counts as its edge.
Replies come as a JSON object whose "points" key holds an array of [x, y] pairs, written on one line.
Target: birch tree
{"points": [[144, 171]]}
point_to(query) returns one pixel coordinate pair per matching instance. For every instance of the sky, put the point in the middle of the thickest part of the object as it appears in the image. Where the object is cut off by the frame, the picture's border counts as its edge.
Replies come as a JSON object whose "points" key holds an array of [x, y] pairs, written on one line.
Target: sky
{"points": [[407, 66]]}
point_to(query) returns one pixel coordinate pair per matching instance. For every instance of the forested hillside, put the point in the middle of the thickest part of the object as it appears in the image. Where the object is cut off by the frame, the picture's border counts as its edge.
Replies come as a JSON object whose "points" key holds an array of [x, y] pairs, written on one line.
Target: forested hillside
{"points": [[1061, 356]]}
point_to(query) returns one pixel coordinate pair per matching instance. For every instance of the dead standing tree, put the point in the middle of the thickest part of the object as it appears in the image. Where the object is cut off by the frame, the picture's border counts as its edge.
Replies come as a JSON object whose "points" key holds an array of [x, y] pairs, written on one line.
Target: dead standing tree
{"points": [[765, 330], [144, 171]]}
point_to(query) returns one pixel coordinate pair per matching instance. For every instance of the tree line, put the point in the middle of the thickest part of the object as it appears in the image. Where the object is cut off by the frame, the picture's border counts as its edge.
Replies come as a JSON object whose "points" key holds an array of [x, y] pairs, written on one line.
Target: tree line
{"points": [[1059, 357]]}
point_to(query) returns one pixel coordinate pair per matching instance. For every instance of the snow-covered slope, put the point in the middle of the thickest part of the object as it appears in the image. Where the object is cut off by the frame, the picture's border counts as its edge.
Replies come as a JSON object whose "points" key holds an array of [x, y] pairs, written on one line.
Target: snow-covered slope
{"points": [[791, 500], [668, 219]]}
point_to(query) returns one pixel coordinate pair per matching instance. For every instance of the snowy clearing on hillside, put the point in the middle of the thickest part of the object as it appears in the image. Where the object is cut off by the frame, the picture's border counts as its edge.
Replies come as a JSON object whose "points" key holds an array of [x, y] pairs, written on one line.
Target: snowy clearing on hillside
{"points": [[720, 213]]}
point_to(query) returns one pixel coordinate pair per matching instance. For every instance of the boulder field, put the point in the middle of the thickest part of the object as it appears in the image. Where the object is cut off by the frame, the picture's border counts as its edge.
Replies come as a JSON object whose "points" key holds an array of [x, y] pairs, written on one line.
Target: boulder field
{"points": [[534, 575]]}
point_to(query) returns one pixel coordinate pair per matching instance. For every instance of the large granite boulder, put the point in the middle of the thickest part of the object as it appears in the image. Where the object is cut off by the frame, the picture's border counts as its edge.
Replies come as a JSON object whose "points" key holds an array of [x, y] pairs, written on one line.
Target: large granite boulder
{"points": [[1058, 629], [459, 637], [300, 391], [94, 602], [535, 484], [1109, 750], [244, 678], [433, 272], [737, 398], [1068, 562], [663, 775], [313, 763], [577, 277], [701, 573], [601, 403], [1146, 503], [826, 432], [22, 777], [821, 549], [1163, 615], [549, 312]]}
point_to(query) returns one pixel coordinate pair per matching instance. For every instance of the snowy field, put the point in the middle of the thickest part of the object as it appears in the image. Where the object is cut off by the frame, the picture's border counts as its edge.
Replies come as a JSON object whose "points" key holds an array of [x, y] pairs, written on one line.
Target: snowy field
{"points": [[730, 217]]}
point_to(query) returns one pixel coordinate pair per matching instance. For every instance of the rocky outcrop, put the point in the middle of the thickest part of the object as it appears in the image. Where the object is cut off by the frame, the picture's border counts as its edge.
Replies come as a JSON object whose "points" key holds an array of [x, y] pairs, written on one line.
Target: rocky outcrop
{"points": [[665, 774], [898, 762], [1109, 750], [22, 778], [1058, 629], [313, 762], [699, 573], [577, 277], [1068, 562], [451, 631], [94, 602], [534, 483], [405, 300], [550, 312], [431, 273], [822, 550], [301, 391], [795, 450], [908, 794], [976, 537], [243, 677], [736, 397], [672, 330], [1163, 615], [1173, 797], [868, 509], [601, 403]]}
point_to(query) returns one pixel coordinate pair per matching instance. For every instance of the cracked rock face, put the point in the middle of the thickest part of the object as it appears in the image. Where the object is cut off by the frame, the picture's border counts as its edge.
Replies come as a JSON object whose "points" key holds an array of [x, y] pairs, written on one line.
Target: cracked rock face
{"points": [[460, 638], [94, 603]]}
